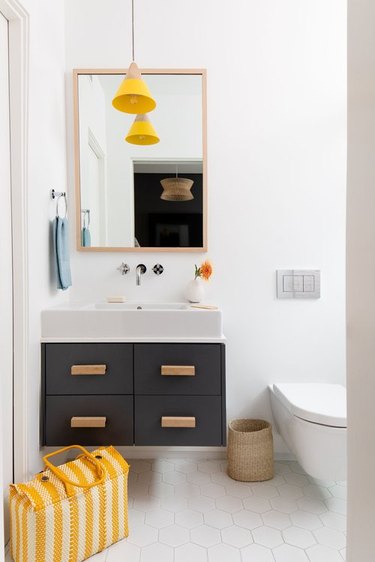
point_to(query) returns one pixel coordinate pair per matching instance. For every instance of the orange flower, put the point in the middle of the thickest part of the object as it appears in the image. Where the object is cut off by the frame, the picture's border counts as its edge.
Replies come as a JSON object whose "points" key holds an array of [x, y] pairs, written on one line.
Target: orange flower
{"points": [[206, 270]]}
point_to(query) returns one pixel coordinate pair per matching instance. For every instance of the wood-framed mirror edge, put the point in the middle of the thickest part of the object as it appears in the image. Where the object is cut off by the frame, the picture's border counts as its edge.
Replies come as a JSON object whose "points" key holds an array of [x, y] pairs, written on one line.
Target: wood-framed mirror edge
{"points": [[121, 71]]}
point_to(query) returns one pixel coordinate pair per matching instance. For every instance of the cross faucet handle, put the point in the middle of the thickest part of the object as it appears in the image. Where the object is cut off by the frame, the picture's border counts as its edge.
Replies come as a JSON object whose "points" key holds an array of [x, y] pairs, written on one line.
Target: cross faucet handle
{"points": [[124, 268]]}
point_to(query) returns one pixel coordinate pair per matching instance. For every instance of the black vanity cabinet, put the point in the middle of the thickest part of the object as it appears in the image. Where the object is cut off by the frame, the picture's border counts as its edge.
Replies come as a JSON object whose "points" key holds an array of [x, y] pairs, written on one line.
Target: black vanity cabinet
{"points": [[141, 394]]}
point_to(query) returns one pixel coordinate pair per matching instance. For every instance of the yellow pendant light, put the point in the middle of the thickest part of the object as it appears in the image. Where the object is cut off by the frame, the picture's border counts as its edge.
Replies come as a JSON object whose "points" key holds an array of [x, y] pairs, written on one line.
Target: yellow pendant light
{"points": [[142, 132], [133, 95]]}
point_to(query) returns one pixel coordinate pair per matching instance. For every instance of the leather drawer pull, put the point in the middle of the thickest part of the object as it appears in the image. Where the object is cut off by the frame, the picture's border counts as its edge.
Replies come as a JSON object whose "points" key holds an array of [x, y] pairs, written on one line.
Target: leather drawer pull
{"points": [[177, 421], [178, 370], [88, 369], [88, 421]]}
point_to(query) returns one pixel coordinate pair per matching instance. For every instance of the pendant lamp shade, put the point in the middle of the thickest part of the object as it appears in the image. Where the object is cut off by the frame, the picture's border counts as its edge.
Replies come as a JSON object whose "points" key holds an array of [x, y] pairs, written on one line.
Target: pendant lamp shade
{"points": [[133, 95], [177, 189], [142, 132]]}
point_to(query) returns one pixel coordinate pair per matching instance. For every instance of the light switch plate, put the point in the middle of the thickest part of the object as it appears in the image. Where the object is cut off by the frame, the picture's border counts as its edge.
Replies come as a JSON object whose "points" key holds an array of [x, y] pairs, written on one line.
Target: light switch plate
{"points": [[298, 283]]}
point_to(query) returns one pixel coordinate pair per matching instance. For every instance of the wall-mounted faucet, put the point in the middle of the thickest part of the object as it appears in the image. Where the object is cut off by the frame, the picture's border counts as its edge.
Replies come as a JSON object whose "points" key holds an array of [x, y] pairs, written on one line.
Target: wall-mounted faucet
{"points": [[140, 270]]}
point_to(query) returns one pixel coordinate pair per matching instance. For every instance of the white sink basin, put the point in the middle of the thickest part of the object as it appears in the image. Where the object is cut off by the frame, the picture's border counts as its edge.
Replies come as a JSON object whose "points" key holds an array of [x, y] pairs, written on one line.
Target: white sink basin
{"points": [[138, 306], [133, 321]]}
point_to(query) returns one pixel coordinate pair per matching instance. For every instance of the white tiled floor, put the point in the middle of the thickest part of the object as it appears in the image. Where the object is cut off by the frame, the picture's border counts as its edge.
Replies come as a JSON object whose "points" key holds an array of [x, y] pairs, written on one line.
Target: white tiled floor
{"points": [[183, 511]]}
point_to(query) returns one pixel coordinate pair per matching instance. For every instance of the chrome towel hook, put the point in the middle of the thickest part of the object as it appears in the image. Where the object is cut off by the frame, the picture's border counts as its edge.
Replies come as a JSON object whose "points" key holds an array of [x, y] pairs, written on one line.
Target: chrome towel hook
{"points": [[57, 195]]}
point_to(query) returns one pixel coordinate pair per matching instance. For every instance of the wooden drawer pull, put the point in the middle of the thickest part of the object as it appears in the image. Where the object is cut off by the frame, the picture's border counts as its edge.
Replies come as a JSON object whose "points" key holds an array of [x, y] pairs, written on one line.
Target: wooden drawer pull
{"points": [[88, 369], [177, 421], [178, 370], [88, 421]]}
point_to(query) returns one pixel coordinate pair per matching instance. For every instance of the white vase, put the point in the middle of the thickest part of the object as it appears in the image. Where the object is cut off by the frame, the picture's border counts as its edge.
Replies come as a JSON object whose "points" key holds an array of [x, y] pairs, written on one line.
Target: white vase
{"points": [[194, 290]]}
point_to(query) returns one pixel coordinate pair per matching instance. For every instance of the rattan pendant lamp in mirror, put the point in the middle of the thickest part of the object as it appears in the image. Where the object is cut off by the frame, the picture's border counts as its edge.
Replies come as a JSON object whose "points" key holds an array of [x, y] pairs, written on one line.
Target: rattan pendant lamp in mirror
{"points": [[176, 189]]}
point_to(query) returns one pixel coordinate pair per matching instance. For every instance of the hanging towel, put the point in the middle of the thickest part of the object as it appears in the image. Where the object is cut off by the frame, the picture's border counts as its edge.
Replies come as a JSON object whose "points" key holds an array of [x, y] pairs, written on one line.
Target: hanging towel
{"points": [[86, 237], [61, 232]]}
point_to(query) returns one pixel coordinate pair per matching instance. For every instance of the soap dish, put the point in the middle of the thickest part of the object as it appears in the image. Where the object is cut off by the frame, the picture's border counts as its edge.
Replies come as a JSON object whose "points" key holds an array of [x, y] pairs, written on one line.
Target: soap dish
{"points": [[116, 299]]}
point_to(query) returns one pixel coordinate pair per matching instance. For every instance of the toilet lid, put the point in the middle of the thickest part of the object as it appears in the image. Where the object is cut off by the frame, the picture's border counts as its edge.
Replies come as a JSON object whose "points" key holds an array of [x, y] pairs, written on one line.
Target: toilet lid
{"points": [[314, 402]]}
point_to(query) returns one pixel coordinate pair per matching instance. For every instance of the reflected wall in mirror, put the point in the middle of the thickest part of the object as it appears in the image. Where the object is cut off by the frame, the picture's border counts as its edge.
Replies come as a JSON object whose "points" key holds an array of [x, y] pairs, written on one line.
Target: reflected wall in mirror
{"points": [[121, 202]]}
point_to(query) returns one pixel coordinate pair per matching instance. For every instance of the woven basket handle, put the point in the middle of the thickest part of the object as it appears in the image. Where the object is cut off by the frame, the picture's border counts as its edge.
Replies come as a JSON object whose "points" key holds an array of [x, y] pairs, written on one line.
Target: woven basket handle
{"points": [[60, 474]]}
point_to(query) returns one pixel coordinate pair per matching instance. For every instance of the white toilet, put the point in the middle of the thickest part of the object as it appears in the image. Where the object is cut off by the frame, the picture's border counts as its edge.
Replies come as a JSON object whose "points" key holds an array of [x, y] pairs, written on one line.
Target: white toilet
{"points": [[311, 418]]}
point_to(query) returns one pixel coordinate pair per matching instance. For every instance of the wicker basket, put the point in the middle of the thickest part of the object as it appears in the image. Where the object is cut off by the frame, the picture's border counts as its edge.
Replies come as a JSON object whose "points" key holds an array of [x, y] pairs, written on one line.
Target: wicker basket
{"points": [[250, 450]]}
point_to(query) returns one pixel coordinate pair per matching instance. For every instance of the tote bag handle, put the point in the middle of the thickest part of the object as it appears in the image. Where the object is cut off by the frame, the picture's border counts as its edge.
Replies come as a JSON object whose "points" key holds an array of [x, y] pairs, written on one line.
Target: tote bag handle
{"points": [[60, 474]]}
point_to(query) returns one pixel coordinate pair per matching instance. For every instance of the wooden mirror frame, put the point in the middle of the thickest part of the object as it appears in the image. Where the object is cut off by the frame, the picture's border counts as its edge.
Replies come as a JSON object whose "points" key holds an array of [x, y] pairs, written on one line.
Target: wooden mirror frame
{"points": [[145, 71]]}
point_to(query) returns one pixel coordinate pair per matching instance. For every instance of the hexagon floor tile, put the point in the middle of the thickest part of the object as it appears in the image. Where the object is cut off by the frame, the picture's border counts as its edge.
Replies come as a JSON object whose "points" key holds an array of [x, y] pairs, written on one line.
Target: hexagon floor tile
{"points": [[185, 510]]}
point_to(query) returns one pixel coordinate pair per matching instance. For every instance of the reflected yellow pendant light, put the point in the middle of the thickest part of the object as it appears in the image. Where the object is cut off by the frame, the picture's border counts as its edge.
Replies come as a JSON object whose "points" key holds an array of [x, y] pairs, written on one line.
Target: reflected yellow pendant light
{"points": [[133, 95], [142, 132]]}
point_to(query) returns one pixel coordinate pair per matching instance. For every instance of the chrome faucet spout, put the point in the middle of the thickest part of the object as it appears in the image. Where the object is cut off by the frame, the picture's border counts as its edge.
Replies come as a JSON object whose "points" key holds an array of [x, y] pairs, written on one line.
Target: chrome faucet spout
{"points": [[140, 270]]}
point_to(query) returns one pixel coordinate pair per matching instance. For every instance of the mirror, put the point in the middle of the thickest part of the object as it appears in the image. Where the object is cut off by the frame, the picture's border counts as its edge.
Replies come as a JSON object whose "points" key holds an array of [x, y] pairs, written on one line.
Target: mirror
{"points": [[127, 196]]}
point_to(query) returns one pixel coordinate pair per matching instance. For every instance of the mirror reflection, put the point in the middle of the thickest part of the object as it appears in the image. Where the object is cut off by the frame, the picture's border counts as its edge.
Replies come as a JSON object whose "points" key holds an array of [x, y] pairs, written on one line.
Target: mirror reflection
{"points": [[140, 197]]}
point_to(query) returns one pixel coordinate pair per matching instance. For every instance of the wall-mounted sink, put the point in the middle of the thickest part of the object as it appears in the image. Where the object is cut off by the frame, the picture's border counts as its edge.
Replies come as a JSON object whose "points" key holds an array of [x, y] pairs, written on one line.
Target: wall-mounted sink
{"points": [[133, 321], [139, 306]]}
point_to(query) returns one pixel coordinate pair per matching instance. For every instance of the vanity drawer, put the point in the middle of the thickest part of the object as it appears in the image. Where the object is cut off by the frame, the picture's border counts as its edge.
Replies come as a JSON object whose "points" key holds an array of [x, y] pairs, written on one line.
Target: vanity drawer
{"points": [[196, 419], [177, 368], [89, 368], [114, 412]]}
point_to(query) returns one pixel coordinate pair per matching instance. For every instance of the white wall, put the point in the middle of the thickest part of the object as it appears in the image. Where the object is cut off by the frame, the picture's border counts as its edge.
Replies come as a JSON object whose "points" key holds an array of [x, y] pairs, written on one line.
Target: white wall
{"points": [[276, 173], [47, 169], [361, 280]]}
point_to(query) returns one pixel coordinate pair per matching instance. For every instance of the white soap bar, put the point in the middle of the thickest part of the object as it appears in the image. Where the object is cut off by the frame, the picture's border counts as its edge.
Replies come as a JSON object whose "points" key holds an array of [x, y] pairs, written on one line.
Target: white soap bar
{"points": [[116, 299]]}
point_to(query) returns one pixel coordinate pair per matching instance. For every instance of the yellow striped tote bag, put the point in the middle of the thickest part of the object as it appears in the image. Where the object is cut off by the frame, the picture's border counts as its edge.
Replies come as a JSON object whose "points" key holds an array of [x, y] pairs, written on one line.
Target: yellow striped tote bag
{"points": [[70, 512]]}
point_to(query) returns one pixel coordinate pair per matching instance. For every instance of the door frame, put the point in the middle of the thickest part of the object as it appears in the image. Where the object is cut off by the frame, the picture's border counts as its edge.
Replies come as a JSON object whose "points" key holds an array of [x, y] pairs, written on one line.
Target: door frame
{"points": [[18, 19]]}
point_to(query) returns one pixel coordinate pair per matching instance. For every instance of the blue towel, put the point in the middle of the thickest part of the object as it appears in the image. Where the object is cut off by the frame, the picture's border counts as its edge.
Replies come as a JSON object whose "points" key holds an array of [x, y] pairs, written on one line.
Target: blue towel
{"points": [[86, 237], [61, 231]]}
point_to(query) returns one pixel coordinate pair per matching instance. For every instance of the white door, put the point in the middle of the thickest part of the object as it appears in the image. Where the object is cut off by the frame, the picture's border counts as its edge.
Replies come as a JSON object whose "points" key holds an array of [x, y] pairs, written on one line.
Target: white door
{"points": [[6, 282]]}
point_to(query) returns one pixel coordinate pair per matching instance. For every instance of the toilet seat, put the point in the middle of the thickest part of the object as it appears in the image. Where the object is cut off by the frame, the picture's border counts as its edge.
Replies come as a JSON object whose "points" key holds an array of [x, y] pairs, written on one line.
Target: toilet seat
{"points": [[319, 403]]}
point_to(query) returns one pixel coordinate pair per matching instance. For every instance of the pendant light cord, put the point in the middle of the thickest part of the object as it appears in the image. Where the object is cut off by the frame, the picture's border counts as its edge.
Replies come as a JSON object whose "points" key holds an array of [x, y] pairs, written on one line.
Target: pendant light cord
{"points": [[133, 30]]}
